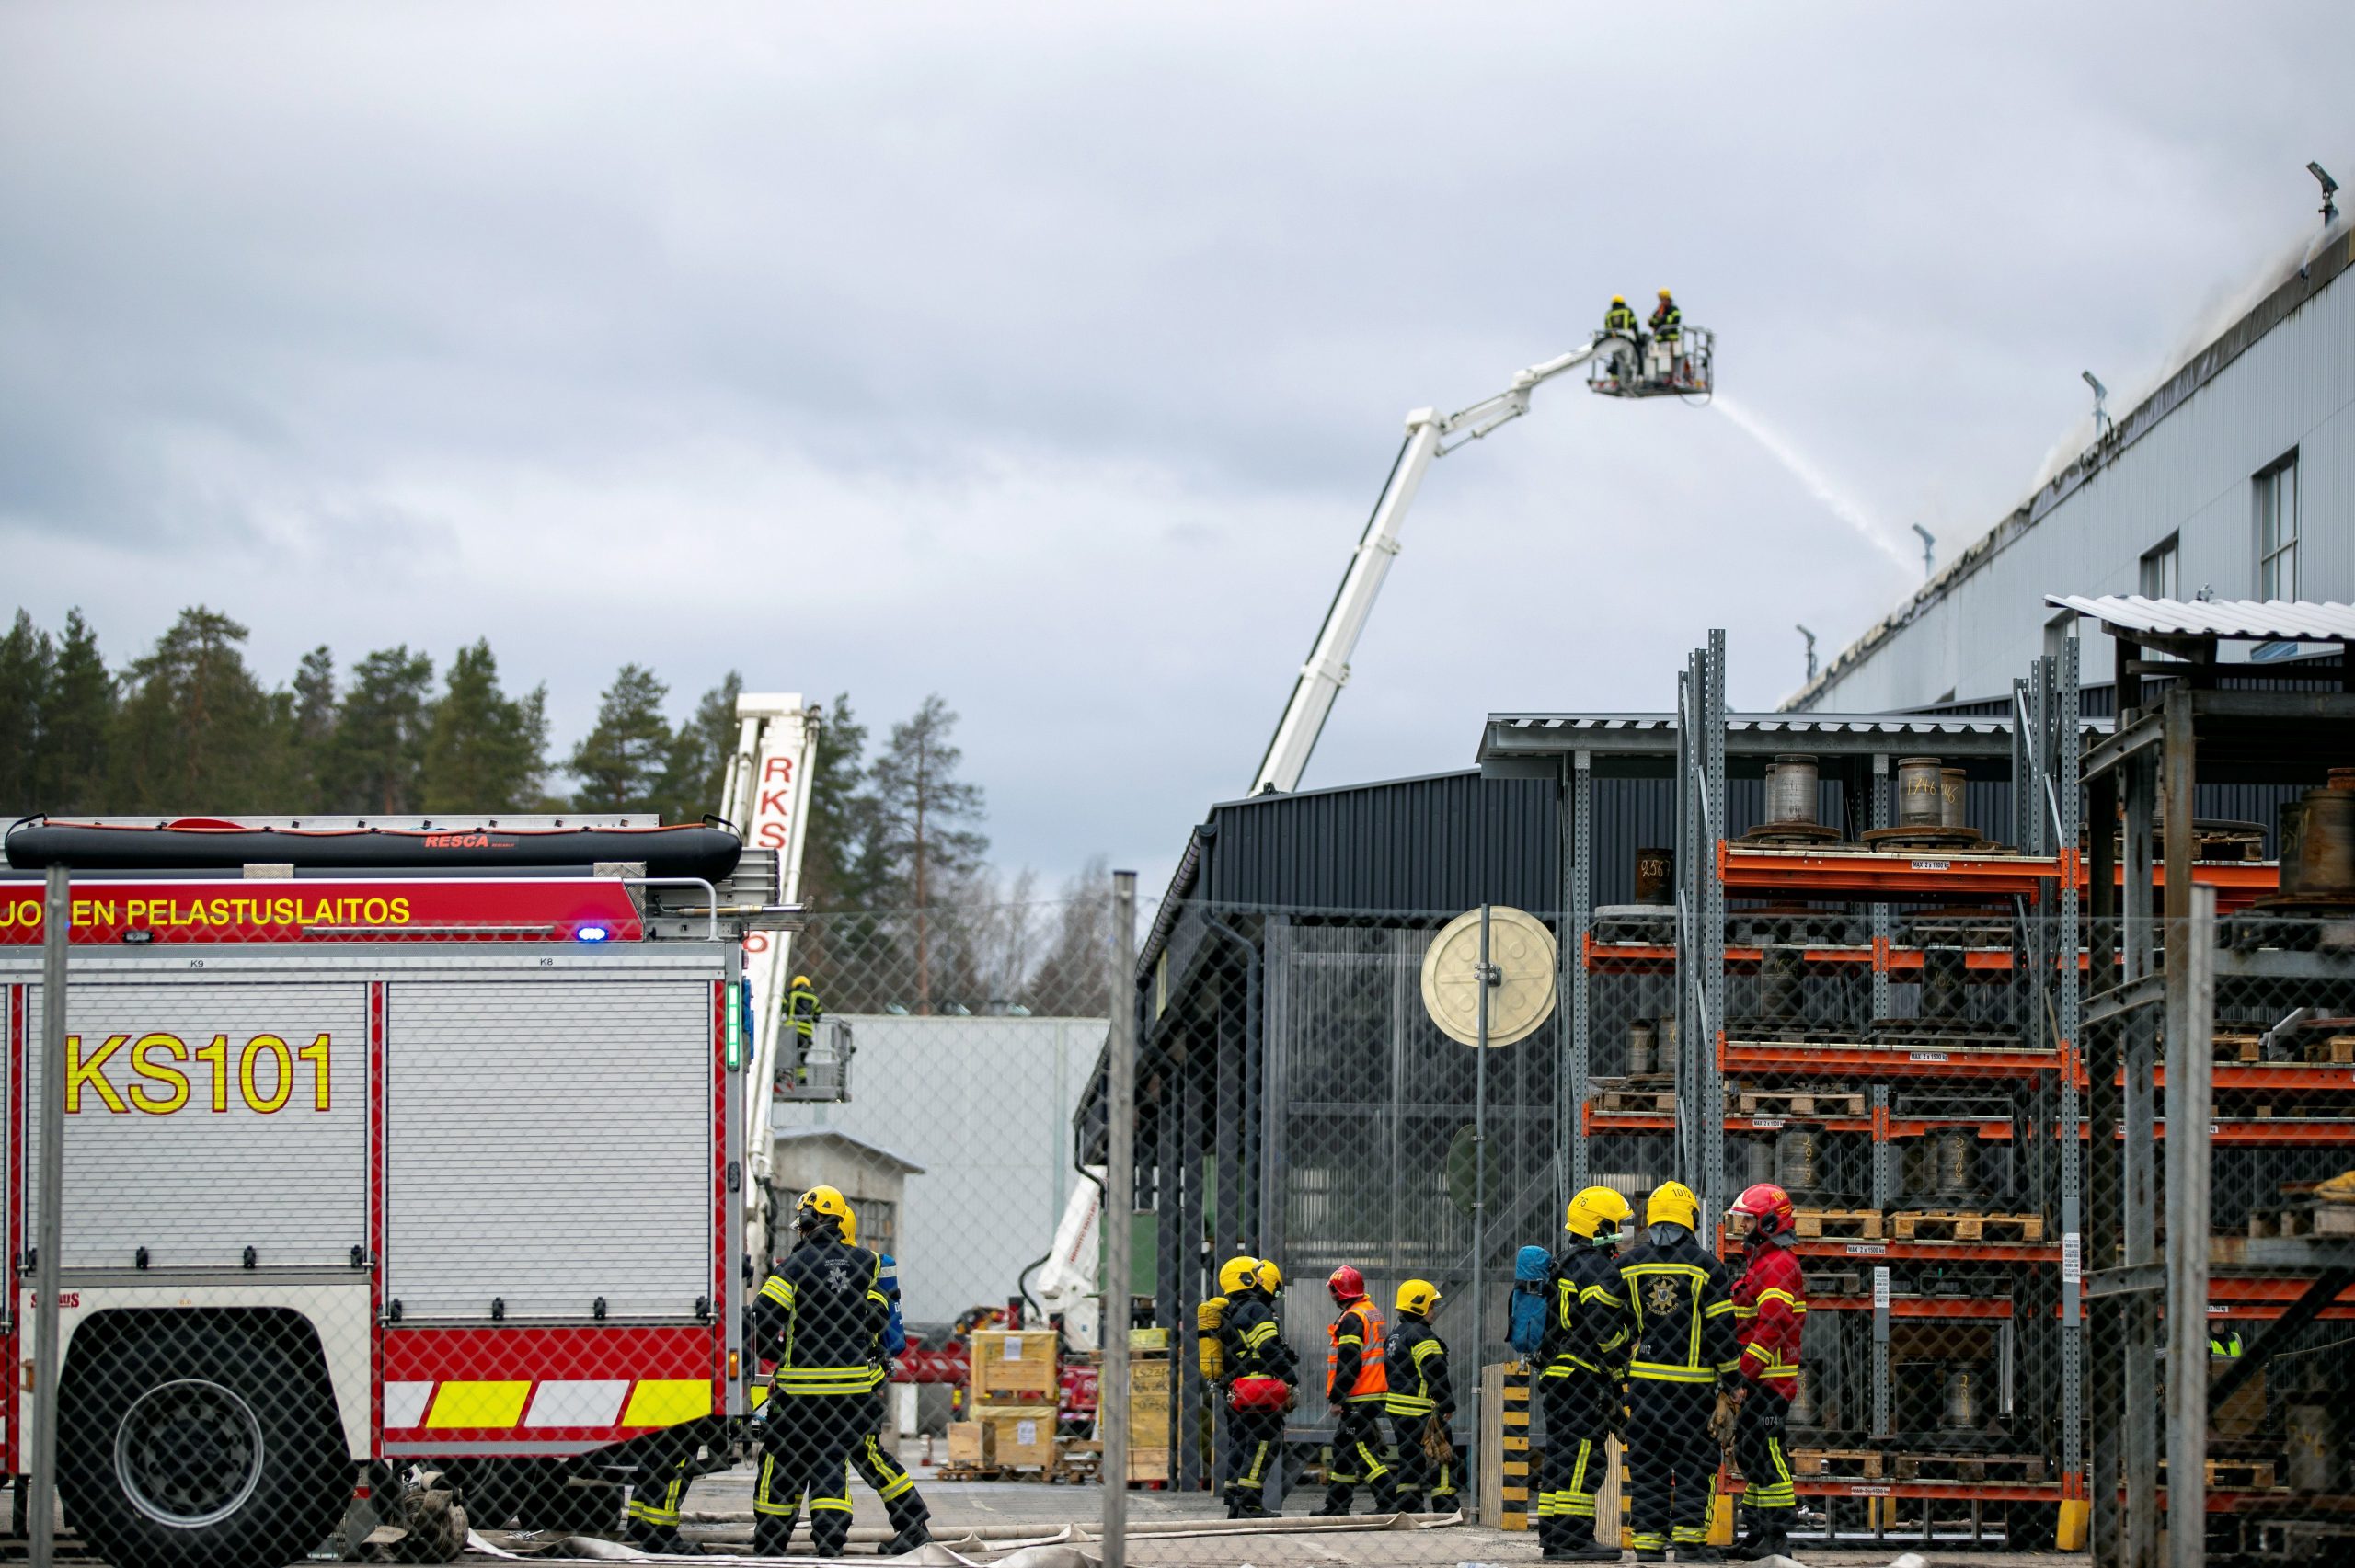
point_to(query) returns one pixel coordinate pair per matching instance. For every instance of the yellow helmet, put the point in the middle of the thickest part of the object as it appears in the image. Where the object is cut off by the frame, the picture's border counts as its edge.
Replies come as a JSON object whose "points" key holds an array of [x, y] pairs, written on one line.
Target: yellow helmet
{"points": [[1595, 1208], [1270, 1277], [1673, 1203], [1663, 294], [1618, 298], [1417, 1296], [801, 981], [819, 1205], [1237, 1272]]}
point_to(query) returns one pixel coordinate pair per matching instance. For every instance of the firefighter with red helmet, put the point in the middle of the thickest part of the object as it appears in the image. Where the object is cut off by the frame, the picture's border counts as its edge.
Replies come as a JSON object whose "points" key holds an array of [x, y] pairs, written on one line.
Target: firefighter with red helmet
{"points": [[1770, 1312], [1355, 1387]]}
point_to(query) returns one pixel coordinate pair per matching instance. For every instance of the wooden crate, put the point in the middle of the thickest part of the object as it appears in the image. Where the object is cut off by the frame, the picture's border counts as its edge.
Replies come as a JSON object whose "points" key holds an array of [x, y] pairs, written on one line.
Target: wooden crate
{"points": [[1792, 1103]]}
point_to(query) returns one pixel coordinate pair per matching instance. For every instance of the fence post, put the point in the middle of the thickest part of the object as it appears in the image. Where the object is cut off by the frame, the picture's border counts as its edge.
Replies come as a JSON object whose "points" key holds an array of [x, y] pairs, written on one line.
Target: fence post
{"points": [[1119, 1203], [41, 1512], [2191, 1071]]}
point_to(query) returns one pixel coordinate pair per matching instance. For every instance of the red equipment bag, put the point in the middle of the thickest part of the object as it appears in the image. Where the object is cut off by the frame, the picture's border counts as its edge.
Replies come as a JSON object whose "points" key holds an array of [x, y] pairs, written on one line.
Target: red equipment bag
{"points": [[1259, 1396]]}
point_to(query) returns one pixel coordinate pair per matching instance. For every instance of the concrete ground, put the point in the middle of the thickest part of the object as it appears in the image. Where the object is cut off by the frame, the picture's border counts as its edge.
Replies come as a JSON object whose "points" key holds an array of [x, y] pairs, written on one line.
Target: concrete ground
{"points": [[1007, 1513]]}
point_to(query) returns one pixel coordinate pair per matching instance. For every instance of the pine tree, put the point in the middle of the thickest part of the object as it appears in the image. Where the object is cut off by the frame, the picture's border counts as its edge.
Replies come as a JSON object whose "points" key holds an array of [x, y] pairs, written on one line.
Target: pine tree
{"points": [[315, 721], [842, 864], [195, 732], [484, 750], [694, 767], [77, 722], [27, 663], [620, 762], [921, 807], [375, 762]]}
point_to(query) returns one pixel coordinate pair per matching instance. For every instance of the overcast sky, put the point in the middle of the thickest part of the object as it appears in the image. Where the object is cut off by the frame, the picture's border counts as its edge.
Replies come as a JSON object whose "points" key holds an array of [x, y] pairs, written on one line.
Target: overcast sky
{"points": [[1051, 357]]}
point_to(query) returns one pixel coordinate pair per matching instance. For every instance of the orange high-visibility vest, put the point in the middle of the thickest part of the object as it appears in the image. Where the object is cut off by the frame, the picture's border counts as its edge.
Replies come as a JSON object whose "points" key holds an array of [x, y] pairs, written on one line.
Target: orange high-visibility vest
{"points": [[1371, 1382]]}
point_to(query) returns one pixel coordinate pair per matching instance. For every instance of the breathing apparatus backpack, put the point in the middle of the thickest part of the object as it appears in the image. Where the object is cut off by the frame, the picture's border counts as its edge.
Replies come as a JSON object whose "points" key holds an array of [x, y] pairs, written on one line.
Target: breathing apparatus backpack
{"points": [[1531, 1268], [1209, 1318]]}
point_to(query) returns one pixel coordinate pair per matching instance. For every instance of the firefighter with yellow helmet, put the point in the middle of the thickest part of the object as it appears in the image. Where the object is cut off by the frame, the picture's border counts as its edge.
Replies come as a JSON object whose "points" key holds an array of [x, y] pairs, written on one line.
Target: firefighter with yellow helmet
{"points": [[1420, 1400], [1582, 1358], [802, 1012], [1680, 1320], [821, 1317], [1261, 1375]]}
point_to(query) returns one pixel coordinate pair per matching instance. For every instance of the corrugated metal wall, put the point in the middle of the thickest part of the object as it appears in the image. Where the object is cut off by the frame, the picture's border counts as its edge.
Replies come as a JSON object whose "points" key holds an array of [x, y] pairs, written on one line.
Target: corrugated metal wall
{"points": [[1450, 842], [2190, 474]]}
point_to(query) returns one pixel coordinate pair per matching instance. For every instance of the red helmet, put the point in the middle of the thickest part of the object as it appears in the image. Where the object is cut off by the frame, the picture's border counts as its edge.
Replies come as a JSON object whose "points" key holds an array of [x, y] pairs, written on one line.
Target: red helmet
{"points": [[1768, 1209], [1346, 1284]]}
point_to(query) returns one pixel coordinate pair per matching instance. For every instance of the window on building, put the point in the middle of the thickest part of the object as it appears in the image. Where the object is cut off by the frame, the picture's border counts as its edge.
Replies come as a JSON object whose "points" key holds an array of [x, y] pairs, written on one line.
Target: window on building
{"points": [[878, 1224], [2277, 530], [2158, 578]]}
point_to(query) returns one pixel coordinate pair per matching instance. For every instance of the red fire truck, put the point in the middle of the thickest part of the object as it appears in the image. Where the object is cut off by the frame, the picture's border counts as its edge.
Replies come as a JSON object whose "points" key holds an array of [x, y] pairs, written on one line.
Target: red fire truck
{"points": [[389, 1147]]}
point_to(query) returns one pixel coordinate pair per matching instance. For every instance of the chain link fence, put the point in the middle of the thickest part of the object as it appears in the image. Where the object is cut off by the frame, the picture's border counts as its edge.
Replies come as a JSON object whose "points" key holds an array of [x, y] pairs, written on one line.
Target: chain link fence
{"points": [[379, 1229]]}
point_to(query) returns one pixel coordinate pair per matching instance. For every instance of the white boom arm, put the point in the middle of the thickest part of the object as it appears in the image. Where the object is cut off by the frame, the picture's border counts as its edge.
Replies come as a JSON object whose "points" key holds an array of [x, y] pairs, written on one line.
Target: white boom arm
{"points": [[1068, 1280], [767, 796], [1327, 669]]}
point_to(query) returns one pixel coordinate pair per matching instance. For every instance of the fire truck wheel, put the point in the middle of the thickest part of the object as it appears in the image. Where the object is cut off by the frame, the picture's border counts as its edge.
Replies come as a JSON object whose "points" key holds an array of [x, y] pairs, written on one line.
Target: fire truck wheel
{"points": [[188, 1442]]}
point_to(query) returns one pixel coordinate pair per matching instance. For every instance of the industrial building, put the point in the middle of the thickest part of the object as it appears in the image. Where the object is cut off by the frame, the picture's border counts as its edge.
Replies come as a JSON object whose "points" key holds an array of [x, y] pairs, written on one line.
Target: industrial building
{"points": [[2234, 479]]}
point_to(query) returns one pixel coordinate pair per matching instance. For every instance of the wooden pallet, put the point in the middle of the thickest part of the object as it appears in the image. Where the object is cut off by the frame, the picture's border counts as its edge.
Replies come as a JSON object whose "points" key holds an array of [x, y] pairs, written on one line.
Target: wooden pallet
{"points": [[2239, 1047], [2304, 1219], [1789, 1103], [1837, 1224], [1971, 1467], [2234, 1475], [2336, 1050], [1636, 1102], [1937, 1225], [1838, 1464]]}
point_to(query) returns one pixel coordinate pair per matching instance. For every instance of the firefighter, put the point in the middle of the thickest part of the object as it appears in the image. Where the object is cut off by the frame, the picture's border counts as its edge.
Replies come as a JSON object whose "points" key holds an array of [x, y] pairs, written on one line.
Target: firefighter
{"points": [[1769, 1313], [1420, 1400], [876, 1459], [1355, 1387], [1679, 1318], [1667, 321], [1620, 320], [801, 1015], [1582, 1358], [1261, 1373], [656, 1495], [821, 1317]]}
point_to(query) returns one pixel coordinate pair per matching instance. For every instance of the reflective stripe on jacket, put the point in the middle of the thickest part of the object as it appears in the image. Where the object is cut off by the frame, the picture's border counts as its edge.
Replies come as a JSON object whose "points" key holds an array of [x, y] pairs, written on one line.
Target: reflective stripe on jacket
{"points": [[1680, 1313], [1770, 1314], [821, 1317], [1586, 1325], [1415, 1362]]}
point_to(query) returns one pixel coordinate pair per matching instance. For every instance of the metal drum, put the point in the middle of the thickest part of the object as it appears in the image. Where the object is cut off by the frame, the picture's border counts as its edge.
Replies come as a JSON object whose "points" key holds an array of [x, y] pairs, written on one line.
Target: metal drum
{"points": [[1799, 1158], [1757, 1160], [1958, 1411], [1641, 1036], [1790, 790], [1951, 798], [1954, 1158], [1655, 872], [1782, 981], [2325, 857], [1943, 974], [1921, 793]]}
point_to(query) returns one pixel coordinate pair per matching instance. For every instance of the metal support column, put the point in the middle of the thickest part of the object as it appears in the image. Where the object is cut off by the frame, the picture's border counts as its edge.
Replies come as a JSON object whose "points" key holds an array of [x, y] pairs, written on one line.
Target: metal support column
{"points": [[2137, 1343], [1710, 1044], [2066, 761], [1581, 983], [1120, 1217], [2191, 1012], [1884, 924]]}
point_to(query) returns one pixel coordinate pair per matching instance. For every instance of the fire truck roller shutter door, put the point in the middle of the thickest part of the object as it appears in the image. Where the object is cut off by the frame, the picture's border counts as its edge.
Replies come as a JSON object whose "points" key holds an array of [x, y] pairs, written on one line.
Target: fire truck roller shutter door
{"points": [[205, 1117], [513, 1102]]}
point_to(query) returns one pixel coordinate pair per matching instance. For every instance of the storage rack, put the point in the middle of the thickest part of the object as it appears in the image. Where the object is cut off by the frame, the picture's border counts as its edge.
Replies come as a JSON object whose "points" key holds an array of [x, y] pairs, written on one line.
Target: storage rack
{"points": [[2167, 743]]}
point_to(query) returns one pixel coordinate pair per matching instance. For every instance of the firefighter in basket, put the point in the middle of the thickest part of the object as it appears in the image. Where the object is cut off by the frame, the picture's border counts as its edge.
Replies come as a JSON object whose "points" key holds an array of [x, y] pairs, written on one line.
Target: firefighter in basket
{"points": [[1421, 1401], [1770, 1313], [1355, 1387], [1583, 1358], [1261, 1377], [821, 1317], [1680, 1319], [802, 1012]]}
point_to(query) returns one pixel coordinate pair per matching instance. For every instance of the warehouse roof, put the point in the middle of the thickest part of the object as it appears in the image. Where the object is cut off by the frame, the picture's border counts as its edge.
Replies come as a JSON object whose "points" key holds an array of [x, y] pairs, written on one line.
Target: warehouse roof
{"points": [[2267, 620], [2195, 373], [859, 1145], [1654, 734]]}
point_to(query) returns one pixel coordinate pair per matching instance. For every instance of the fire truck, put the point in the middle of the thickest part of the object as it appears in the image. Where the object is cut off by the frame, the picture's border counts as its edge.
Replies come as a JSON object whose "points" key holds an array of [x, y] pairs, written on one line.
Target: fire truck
{"points": [[393, 1149]]}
